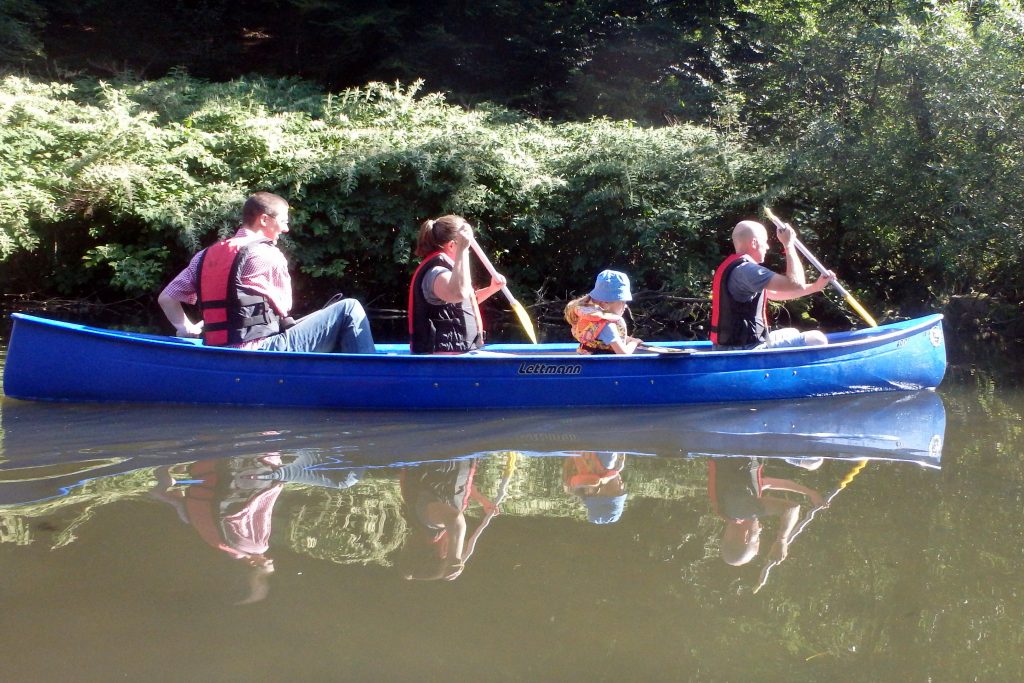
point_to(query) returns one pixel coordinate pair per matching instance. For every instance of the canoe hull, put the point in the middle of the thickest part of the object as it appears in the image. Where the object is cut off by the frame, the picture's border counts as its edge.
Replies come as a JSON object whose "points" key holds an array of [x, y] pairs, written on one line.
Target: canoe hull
{"points": [[49, 360]]}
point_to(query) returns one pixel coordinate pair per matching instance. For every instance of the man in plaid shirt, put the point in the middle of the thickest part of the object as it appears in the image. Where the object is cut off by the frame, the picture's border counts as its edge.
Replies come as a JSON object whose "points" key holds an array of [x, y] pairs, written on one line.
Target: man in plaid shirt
{"points": [[341, 327]]}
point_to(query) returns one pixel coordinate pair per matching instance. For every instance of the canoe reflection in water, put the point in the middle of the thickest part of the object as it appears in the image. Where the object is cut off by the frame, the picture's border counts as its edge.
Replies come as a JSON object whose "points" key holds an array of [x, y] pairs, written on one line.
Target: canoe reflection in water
{"points": [[420, 493], [230, 502]]}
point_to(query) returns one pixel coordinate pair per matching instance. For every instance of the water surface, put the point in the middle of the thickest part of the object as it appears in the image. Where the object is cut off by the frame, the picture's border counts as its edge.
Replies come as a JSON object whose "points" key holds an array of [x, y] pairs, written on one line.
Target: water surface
{"points": [[216, 544]]}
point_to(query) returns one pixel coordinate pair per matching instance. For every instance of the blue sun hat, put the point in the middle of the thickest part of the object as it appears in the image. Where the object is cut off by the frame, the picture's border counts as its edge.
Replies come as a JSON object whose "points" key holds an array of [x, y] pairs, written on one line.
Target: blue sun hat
{"points": [[611, 285], [604, 509]]}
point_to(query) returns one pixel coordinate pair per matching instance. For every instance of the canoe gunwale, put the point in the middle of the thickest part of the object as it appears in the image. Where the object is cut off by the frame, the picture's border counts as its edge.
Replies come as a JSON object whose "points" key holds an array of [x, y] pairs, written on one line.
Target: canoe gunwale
{"points": [[504, 351]]}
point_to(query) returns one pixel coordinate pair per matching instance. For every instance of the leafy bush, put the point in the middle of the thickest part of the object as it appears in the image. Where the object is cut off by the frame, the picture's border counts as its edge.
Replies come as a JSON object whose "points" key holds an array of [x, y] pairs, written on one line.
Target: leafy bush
{"points": [[901, 124], [113, 185]]}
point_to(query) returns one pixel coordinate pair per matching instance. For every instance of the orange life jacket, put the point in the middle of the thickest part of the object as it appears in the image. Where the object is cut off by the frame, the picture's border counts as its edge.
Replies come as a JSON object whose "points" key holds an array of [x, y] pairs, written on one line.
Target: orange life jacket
{"points": [[590, 322], [586, 470]]}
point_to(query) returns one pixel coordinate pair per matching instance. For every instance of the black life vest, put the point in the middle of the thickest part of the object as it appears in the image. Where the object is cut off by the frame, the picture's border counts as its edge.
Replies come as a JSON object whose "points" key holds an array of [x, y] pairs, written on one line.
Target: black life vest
{"points": [[232, 312], [735, 323], [734, 487], [444, 328]]}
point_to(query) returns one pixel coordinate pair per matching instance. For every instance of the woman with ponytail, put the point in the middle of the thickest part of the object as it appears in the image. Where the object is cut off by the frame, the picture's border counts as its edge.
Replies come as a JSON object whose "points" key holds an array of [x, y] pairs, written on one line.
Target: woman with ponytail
{"points": [[444, 311]]}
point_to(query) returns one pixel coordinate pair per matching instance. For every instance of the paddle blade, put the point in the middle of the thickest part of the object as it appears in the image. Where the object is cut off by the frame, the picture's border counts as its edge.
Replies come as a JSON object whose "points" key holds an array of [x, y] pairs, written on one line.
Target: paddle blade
{"points": [[855, 305], [524, 320], [510, 464]]}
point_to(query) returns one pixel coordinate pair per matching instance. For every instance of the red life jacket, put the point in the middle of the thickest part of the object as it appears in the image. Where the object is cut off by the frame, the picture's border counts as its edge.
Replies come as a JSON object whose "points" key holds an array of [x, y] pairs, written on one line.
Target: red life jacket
{"points": [[734, 323], [232, 312], [444, 328]]}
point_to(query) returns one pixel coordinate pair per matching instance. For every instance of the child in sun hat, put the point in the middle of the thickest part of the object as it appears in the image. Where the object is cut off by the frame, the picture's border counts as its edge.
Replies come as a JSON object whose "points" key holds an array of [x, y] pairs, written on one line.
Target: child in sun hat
{"points": [[596, 319]]}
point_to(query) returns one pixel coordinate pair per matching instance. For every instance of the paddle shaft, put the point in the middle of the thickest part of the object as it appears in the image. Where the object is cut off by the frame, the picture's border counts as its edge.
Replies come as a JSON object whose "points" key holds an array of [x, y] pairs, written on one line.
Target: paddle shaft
{"points": [[492, 270], [661, 349], [854, 304], [817, 264], [506, 478], [842, 485]]}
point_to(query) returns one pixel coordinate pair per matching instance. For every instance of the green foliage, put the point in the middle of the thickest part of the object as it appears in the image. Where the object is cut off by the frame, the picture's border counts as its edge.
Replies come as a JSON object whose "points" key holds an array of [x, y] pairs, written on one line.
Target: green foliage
{"points": [[84, 168], [136, 271], [20, 23], [632, 192], [126, 179], [890, 134], [901, 127]]}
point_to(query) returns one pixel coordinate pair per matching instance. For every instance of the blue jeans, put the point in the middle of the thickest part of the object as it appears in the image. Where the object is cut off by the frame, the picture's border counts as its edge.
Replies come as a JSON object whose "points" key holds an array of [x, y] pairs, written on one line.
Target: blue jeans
{"points": [[317, 469], [341, 327]]}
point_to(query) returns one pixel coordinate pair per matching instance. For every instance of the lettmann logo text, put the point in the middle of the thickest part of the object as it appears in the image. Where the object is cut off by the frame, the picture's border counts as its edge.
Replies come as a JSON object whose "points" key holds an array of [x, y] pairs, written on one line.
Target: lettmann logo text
{"points": [[549, 369]]}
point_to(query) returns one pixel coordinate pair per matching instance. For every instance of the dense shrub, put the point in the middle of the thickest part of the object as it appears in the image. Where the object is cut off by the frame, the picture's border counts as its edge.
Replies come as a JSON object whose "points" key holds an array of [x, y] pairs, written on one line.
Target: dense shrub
{"points": [[890, 133], [108, 187], [901, 124]]}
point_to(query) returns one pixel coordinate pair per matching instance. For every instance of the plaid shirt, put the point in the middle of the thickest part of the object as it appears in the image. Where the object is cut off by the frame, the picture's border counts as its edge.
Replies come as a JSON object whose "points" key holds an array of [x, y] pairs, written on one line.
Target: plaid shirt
{"points": [[266, 271]]}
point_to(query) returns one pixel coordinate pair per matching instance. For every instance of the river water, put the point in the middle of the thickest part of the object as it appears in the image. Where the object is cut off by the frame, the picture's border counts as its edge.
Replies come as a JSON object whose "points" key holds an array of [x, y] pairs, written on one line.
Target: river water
{"points": [[214, 544]]}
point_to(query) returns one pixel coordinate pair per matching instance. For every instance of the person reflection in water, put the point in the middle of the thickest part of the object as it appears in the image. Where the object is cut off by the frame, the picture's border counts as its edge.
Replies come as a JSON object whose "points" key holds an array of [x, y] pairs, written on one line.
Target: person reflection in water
{"points": [[230, 503], [735, 486], [230, 506], [436, 496], [596, 478]]}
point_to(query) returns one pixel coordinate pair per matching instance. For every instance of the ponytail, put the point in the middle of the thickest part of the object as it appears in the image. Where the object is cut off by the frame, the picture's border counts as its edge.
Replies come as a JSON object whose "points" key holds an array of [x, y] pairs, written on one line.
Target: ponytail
{"points": [[435, 233]]}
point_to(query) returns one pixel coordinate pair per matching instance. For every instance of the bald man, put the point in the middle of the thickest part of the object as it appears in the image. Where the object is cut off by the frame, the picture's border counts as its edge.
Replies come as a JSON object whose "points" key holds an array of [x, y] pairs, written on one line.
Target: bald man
{"points": [[743, 287]]}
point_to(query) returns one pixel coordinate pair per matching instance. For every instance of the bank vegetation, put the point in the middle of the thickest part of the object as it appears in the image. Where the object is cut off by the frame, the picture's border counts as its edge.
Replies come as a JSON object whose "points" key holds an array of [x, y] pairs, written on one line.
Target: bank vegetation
{"points": [[890, 134]]}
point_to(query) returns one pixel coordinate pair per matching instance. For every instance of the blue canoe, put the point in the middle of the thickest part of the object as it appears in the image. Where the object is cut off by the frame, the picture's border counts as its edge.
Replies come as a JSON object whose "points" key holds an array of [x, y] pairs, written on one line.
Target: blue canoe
{"points": [[57, 361]]}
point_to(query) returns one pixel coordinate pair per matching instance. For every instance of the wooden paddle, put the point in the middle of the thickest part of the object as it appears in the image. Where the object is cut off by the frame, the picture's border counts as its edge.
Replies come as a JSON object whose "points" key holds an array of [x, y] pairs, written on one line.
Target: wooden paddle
{"points": [[854, 304], [506, 478], [661, 349], [517, 307]]}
